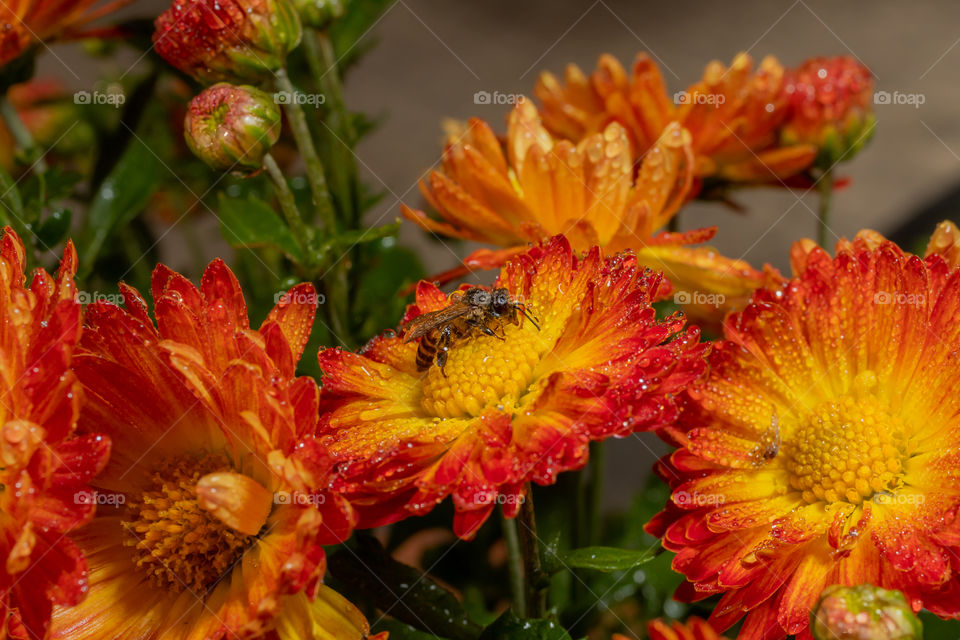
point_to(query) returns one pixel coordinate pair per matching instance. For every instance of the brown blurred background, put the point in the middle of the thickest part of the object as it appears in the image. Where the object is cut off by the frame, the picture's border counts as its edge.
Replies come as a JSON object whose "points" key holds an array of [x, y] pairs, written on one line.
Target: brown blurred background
{"points": [[433, 55]]}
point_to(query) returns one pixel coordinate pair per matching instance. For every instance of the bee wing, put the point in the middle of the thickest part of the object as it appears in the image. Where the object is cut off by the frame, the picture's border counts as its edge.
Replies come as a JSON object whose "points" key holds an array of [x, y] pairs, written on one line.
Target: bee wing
{"points": [[423, 324]]}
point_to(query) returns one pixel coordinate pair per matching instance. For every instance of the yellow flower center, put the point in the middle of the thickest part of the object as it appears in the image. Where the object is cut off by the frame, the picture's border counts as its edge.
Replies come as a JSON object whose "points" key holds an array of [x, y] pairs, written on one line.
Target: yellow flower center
{"points": [[483, 372], [848, 450], [176, 542]]}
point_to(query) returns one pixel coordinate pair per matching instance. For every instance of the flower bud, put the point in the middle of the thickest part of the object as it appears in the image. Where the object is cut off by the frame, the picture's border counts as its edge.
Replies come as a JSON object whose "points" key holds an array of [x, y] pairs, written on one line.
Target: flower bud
{"points": [[232, 127], [215, 40], [829, 106], [319, 13], [864, 612]]}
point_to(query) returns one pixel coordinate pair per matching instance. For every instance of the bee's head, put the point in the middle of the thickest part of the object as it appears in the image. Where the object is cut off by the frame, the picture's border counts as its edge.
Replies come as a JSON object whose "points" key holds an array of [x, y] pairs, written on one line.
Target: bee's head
{"points": [[500, 300], [477, 297]]}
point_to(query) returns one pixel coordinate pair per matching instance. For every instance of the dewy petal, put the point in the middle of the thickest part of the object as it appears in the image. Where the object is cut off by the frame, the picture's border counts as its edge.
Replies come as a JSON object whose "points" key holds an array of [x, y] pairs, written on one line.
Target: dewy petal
{"points": [[599, 364], [821, 446], [238, 501]]}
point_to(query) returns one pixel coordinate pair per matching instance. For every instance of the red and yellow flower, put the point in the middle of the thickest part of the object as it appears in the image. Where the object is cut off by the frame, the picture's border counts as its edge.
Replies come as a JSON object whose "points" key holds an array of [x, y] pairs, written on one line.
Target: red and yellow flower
{"points": [[44, 468], [24, 23], [506, 412], [733, 114], [539, 187], [215, 499], [822, 447], [692, 629]]}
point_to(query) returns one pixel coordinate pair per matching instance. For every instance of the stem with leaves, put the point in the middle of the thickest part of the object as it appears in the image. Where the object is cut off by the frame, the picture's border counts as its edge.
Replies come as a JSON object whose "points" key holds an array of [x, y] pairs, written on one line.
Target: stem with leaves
{"points": [[288, 205]]}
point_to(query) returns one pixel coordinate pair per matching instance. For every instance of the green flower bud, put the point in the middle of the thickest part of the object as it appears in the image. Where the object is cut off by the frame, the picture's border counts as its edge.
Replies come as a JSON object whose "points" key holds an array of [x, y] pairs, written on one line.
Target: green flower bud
{"points": [[232, 127], [864, 612]]}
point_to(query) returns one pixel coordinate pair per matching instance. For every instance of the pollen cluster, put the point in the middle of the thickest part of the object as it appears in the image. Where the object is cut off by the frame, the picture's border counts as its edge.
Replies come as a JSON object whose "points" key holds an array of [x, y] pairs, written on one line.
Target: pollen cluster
{"points": [[483, 372], [847, 451], [176, 542]]}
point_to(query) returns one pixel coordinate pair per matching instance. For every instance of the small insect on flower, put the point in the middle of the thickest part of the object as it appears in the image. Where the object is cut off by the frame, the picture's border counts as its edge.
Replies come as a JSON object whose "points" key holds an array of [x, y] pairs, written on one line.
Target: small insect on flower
{"points": [[470, 314]]}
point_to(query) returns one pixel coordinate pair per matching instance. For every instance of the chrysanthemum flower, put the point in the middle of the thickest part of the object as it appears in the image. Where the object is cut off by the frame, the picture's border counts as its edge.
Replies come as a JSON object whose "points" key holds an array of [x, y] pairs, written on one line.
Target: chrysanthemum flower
{"points": [[822, 447], [830, 107], [214, 503], [216, 40], [24, 23], [733, 114], [44, 470], [508, 411], [540, 187], [692, 629]]}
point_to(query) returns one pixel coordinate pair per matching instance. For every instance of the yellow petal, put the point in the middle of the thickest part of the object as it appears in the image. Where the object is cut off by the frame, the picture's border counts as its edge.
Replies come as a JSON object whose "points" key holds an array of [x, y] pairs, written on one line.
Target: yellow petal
{"points": [[329, 616], [236, 500]]}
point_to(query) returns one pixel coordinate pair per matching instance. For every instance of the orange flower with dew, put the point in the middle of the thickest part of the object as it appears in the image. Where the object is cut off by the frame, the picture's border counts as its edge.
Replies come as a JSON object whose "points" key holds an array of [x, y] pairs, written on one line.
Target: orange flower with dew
{"points": [[539, 187], [214, 506], [822, 447], [733, 114], [508, 411], [693, 629], [44, 468], [24, 23]]}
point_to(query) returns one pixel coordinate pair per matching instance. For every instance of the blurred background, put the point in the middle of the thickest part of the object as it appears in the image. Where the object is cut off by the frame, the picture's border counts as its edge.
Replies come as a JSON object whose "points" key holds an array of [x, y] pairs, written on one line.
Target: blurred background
{"points": [[428, 58]]}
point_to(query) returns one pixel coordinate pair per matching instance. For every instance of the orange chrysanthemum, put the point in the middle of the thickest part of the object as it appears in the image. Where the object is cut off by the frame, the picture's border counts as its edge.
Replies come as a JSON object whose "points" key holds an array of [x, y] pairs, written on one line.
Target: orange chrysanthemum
{"points": [[822, 448], [506, 412], [24, 23], [44, 470], [733, 114], [692, 629], [215, 502], [588, 192]]}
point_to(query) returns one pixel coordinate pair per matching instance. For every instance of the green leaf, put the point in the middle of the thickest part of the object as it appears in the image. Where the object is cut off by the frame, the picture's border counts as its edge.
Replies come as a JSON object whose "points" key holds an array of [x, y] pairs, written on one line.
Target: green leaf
{"points": [[251, 223], [55, 227], [606, 558], [510, 626], [122, 195], [348, 239]]}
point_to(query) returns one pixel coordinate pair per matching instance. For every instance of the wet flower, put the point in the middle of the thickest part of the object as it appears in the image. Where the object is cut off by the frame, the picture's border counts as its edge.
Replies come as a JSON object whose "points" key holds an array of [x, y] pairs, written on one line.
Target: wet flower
{"points": [[692, 629], [232, 127], [216, 490], [822, 447], [540, 186], [864, 612], [44, 468], [733, 114], [24, 23], [231, 40], [829, 106], [504, 412]]}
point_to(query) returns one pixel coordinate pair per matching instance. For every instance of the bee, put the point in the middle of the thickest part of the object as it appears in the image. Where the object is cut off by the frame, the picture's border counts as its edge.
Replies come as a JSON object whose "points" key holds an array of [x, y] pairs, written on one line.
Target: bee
{"points": [[471, 313]]}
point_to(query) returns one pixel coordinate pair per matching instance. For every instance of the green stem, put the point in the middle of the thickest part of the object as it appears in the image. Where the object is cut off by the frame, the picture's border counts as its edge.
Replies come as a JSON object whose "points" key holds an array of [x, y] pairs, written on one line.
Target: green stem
{"points": [[21, 135], [304, 139], [514, 565], [825, 188], [598, 462], [535, 580], [288, 205]]}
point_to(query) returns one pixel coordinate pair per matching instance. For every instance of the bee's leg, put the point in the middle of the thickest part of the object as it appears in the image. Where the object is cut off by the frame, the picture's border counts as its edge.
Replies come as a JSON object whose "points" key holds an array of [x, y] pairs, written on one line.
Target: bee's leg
{"points": [[442, 361], [484, 329], [443, 344]]}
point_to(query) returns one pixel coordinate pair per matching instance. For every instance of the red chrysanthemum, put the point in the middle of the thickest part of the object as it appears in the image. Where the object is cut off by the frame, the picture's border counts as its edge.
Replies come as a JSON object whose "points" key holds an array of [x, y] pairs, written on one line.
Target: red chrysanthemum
{"points": [[823, 446], [507, 411], [215, 502], [43, 469]]}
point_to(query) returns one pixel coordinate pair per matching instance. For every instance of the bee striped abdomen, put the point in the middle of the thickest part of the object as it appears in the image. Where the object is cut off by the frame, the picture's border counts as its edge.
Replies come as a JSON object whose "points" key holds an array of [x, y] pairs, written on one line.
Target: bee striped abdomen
{"points": [[427, 350]]}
